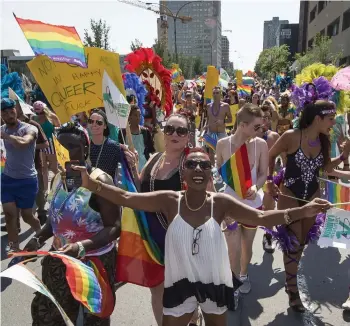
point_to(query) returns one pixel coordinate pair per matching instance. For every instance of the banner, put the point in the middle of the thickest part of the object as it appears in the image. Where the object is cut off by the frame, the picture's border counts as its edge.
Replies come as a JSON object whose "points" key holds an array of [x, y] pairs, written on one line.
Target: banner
{"points": [[336, 230], [61, 152], [211, 81], [22, 274], [116, 106], [239, 77], [234, 109], [71, 89], [26, 108]]}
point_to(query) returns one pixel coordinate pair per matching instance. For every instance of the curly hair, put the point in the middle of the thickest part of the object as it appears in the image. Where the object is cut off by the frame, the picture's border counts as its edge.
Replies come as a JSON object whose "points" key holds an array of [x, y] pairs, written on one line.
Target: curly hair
{"points": [[73, 128]]}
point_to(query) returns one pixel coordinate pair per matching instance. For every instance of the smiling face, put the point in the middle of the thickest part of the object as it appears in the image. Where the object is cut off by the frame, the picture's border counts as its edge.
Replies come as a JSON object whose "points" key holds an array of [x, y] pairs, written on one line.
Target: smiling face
{"points": [[176, 133], [96, 124], [197, 170]]}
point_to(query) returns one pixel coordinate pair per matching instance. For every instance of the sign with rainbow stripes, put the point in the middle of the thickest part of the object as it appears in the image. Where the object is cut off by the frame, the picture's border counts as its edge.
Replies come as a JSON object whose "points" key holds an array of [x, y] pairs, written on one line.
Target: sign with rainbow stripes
{"points": [[236, 172], [337, 193]]}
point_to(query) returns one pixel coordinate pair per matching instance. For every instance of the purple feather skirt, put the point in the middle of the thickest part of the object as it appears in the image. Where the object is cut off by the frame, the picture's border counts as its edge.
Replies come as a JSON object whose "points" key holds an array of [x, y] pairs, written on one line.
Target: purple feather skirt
{"points": [[286, 240]]}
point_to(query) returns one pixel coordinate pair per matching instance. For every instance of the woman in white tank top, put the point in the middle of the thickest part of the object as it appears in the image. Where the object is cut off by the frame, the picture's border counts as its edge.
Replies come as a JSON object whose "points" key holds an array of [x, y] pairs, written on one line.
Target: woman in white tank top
{"points": [[197, 268]]}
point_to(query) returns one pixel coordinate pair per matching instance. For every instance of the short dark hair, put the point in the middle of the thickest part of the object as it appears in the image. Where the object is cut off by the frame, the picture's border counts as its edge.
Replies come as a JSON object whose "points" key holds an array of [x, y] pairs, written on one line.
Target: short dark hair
{"points": [[100, 112]]}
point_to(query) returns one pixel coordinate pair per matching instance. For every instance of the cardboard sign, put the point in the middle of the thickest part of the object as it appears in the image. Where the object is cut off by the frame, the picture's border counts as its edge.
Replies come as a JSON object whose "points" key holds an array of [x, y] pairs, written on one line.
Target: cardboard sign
{"points": [[71, 89], [26, 108], [239, 77], [116, 106], [234, 109], [61, 152], [211, 82], [336, 230]]}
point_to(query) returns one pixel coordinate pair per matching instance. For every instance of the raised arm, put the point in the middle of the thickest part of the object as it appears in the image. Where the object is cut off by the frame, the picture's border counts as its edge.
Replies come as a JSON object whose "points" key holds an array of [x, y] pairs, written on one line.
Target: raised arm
{"points": [[19, 141]]}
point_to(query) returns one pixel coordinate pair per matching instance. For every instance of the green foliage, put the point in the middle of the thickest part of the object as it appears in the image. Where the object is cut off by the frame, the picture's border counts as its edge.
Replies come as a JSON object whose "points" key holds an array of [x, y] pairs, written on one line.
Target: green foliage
{"points": [[99, 37], [272, 61], [198, 67], [320, 52], [135, 45]]}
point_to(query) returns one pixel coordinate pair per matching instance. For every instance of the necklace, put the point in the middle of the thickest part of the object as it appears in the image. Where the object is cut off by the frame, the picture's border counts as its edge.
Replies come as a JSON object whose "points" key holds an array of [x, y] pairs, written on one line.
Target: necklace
{"points": [[99, 154], [195, 209], [215, 114], [313, 143], [161, 218]]}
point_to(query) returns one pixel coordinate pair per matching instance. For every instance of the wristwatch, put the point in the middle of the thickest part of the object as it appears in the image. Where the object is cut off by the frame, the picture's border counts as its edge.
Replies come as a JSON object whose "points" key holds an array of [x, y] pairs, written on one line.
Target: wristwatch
{"points": [[81, 252]]}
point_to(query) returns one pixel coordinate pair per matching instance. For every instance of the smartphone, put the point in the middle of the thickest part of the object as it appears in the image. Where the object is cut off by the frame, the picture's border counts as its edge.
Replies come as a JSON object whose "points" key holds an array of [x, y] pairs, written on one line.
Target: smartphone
{"points": [[73, 178]]}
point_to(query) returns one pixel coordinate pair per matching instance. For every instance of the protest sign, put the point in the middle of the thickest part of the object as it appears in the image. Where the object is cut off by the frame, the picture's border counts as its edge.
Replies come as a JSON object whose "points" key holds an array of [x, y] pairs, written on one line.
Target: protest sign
{"points": [[336, 230], [61, 152], [239, 77], [72, 89], [211, 82], [116, 106], [26, 108], [22, 274], [233, 109]]}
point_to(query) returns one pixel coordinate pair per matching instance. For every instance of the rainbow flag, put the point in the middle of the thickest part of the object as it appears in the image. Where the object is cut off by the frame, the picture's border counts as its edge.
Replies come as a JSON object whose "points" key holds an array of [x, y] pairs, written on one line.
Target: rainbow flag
{"points": [[59, 43], [236, 172], [2, 164], [337, 193], [210, 141], [244, 90], [140, 260]]}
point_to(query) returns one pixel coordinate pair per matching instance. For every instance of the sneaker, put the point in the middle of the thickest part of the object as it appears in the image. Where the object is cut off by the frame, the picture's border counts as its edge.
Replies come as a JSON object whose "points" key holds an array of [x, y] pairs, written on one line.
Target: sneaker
{"points": [[11, 248], [42, 219], [246, 286], [346, 304], [268, 244]]}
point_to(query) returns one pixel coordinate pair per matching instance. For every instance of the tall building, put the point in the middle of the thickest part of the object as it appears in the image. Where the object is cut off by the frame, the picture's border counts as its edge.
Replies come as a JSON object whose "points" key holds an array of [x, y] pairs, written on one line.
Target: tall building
{"points": [[201, 36], [331, 18], [289, 34], [225, 53], [272, 32]]}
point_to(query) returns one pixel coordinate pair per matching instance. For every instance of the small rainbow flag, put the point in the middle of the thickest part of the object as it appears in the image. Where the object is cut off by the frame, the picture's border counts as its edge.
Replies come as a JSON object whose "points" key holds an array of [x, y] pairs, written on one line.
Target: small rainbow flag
{"points": [[2, 164], [244, 90], [211, 140], [337, 193], [59, 43], [236, 172], [140, 260]]}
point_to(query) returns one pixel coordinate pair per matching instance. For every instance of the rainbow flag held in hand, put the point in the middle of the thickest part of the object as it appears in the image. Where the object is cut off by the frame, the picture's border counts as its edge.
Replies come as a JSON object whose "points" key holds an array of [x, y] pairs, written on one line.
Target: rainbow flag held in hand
{"points": [[210, 140], [337, 193], [140, 260], [236, 172], [59, 43], [244, 90]]}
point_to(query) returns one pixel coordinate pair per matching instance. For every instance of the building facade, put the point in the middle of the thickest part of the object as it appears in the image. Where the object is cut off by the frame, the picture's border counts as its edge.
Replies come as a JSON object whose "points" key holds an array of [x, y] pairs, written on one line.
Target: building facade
{"points": [[289, 34], [272, 32], [331, 18], [225, 53], [201, 36]]}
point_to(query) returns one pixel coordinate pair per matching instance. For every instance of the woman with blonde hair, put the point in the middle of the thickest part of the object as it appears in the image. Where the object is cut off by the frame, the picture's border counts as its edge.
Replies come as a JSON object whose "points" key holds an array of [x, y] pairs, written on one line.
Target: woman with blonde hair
{"points": [[48, 121]]}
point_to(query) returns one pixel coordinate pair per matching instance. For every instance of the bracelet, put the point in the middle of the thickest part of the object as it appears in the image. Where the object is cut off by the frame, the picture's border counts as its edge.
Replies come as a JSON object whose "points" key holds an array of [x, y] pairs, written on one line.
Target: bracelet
{"points": [[81, 252], [99, 186], [269, 178], [287, 217]]}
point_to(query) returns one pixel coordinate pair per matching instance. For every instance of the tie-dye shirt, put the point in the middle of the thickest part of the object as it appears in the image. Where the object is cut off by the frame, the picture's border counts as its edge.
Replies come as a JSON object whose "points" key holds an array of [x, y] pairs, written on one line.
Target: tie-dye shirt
{"points": [[72, 219]]}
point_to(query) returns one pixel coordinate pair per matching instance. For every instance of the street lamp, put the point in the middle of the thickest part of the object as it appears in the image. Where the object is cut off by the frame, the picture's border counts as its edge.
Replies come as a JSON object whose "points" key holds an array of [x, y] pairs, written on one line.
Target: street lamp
{"points": [[184, 19]]}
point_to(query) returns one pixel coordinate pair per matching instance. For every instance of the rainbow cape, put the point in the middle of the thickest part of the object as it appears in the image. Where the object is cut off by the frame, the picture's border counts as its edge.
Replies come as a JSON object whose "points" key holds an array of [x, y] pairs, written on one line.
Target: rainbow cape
{"points": [[244, 90], [140, 260], [210, 141], [59, 43], [236, 172], [337, 193], [88, 282]]}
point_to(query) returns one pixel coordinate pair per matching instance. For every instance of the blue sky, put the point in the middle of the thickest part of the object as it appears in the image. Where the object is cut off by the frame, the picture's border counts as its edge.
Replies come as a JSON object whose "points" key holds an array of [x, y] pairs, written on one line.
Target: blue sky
{"points": [[245, 18]]}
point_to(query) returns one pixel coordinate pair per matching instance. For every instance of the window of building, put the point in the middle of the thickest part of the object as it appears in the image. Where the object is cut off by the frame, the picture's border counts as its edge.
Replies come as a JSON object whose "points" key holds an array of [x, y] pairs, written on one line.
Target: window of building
{"points": [[321, 5], [323, 32], [333, 28], [346, 20], [309, 44], [313, 14]]}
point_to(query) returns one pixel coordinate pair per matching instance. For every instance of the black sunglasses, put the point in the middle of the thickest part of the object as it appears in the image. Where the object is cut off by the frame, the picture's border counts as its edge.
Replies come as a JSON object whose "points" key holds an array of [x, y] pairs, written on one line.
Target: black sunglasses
{"points": [[98, 122], [257, 127], [191, 164], [181, 131], [196, 236]]}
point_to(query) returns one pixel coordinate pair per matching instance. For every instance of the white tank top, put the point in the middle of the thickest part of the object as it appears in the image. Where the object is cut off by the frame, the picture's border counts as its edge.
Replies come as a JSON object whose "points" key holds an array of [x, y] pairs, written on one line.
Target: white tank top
{"points": [[257, 202]]}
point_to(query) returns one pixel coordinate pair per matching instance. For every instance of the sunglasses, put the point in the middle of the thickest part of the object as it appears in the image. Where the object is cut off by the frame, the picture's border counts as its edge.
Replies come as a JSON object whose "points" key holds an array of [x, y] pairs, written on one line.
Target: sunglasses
{"points": [[181, 131], [266, 118], [204, 165], [257, 127], [98, 122]]}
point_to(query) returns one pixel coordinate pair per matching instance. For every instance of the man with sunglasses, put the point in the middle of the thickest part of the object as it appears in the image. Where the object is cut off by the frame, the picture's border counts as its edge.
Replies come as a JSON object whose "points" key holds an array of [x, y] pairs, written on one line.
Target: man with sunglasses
{"points": [[219, 113], [240, 238]]}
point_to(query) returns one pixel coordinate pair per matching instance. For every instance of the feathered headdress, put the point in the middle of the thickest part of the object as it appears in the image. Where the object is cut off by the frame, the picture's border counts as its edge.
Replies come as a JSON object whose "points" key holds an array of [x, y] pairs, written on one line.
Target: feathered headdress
{"points": [[134, 86]]}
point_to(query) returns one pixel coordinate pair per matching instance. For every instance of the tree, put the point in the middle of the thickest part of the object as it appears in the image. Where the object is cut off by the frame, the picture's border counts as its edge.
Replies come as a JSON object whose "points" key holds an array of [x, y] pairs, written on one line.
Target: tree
{"points": [[198, 66], [100, 35], [135, 45], [320, 52], [163, 52], [272, 61]]}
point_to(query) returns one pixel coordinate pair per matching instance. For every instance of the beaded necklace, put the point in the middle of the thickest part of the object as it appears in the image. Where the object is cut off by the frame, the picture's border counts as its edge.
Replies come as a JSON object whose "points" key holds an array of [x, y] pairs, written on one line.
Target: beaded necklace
{"points": [[212, 110], [152, 179]]}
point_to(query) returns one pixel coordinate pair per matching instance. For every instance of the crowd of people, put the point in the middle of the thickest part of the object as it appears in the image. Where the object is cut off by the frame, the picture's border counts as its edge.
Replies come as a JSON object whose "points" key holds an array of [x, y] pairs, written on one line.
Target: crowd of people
{"points": [[206, 237]]}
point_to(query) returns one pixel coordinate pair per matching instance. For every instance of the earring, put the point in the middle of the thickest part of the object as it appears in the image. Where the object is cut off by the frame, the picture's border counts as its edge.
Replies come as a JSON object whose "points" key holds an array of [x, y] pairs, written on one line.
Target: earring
{"points": [[189, 145]]}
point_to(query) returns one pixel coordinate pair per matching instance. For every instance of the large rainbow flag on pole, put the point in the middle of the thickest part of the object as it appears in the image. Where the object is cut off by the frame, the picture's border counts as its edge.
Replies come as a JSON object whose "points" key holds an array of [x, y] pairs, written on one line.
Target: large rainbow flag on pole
{"points": [[236, 172], [59, 43], [244, 90], [337, 193], [140, 260]]}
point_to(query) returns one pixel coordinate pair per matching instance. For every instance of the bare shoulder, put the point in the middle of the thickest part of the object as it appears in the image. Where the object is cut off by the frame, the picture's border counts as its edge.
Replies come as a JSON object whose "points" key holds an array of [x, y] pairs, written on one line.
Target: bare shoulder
{"points": [[220, 203], [291, 134]]}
